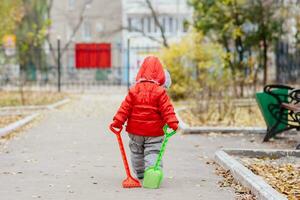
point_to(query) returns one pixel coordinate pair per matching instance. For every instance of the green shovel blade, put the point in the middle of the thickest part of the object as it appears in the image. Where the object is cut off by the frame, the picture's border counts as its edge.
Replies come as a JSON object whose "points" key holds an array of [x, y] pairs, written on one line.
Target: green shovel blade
{"points": [[152, 178]]}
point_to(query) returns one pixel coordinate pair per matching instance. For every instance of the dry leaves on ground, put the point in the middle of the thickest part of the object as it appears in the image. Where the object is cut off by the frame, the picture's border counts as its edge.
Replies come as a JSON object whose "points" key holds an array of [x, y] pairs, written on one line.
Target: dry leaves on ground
{"points": [[6, 120], [282, 174], [241, 192]]}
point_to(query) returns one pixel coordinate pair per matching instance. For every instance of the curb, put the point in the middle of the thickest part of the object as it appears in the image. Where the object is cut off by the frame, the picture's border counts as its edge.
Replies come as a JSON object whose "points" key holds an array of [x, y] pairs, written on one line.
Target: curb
{"points": [[223, 129], [220, 129], [13, 126], [259, 153], [243, 175], [58, 104], [21, 109]]}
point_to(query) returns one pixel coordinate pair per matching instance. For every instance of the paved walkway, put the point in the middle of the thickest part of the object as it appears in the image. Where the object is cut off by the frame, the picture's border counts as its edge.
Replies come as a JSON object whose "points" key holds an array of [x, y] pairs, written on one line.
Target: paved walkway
{"points": [[71, 154]]}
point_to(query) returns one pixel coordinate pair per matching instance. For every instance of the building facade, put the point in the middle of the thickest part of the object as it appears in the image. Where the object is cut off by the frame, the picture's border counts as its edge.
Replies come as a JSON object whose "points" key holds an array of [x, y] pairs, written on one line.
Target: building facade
{"points": [[141, 31], [93, 24], [116, 23]]}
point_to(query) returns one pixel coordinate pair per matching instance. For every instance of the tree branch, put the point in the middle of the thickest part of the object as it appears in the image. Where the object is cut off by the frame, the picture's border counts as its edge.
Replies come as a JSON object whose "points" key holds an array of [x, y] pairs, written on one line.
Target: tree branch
{"points": [[157, 23], [49, 8], [144, 34], [77, 26], [75, 29]]}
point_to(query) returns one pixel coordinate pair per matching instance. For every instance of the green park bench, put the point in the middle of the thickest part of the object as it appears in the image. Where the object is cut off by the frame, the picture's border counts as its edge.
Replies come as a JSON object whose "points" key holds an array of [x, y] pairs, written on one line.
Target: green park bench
{"points": [[280, 107]]}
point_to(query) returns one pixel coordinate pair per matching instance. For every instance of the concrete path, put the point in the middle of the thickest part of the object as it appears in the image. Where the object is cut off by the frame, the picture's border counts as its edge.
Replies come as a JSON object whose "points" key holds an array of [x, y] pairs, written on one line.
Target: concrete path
{"points": [[72, 155]]}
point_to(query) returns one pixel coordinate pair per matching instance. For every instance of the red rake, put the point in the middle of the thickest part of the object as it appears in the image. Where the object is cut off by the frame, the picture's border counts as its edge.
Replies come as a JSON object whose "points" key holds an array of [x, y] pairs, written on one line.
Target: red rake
{"points": [[129, 182]]}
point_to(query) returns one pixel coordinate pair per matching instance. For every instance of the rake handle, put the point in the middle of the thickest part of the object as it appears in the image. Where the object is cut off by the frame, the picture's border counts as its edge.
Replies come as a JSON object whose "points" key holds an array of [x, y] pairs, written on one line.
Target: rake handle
{"points": [[121, 146]]}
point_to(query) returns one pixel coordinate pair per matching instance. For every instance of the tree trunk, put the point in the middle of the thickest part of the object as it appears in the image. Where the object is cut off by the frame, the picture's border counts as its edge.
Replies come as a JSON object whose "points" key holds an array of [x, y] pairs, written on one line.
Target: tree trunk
{"points": [[231, 65], [265, 60], [242, 88]]}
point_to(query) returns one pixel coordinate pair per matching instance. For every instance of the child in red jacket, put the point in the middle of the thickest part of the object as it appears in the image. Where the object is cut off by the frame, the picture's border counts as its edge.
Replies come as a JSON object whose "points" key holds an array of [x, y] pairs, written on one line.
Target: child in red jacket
{"points": [[146, 108]]}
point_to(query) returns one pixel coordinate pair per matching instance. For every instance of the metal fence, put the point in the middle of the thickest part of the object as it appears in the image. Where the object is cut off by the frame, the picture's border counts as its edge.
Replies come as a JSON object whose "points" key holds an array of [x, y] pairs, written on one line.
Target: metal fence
{"points": [[56, 68]]}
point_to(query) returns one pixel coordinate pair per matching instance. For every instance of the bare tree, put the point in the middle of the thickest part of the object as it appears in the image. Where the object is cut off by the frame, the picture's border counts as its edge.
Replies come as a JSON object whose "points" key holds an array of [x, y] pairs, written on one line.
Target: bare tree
{"points": [[49, 8], [145, 3], [155, 15], [75, 28]]}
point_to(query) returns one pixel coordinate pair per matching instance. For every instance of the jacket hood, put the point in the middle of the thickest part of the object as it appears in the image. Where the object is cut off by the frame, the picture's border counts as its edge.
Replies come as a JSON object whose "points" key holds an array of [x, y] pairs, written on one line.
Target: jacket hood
{"points": [[151, 70]]}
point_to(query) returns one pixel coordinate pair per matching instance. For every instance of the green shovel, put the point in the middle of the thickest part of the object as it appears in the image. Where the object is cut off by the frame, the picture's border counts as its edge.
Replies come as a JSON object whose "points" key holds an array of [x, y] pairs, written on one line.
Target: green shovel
{"points": [[153, 175]]}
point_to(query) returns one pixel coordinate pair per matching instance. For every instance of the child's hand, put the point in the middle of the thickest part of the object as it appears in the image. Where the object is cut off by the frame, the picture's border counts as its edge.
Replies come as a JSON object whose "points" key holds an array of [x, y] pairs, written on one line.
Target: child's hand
{"points": [[173, 126], [117, 124]]}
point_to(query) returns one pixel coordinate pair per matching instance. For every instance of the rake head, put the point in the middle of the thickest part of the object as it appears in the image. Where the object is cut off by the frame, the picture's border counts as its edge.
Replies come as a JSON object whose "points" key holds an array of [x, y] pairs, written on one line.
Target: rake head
{"points": [[131, 182]]}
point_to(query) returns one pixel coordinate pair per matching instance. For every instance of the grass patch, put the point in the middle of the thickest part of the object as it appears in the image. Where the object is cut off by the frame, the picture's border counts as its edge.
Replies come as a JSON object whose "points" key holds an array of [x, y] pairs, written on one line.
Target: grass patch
{"points": [[6, 120], [225, 114], [29, 98]]}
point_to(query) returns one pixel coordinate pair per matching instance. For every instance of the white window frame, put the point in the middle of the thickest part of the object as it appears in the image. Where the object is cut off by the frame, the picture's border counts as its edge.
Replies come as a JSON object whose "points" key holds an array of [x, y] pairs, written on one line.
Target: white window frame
{"points": [[86, 30]]}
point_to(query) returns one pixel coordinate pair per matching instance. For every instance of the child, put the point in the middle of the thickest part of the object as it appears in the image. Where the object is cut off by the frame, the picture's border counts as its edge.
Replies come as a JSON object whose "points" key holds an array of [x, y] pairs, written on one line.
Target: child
{"points": [[147, 108]]}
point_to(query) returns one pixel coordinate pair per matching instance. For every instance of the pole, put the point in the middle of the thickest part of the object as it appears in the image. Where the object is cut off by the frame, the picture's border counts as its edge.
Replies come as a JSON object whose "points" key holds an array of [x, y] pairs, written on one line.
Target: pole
{"points": [[128, 63], [58, 66]]}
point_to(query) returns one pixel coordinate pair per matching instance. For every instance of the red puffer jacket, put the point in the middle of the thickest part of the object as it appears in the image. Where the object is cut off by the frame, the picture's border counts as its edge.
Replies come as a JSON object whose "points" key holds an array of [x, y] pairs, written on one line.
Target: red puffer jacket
{"points": [[147, 106]]}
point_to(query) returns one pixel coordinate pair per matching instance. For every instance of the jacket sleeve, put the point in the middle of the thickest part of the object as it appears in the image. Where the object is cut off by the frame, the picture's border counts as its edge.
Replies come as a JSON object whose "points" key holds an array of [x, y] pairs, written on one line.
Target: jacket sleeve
{"points": [[125, 109], [166, 109]]}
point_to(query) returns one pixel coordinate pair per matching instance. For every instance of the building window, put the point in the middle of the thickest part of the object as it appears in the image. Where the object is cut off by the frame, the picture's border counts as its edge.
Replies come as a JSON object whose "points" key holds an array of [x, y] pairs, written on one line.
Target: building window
{"points": [[86, 30], [161, 21], [135, 24], [129, 24], [156, 28], [176, 25], [164, 24], [71, 4], [71, 63], [99, 27], [171, 28], [184, 26], [180, 25], [68, 33], [143, 29], [149, 24]]}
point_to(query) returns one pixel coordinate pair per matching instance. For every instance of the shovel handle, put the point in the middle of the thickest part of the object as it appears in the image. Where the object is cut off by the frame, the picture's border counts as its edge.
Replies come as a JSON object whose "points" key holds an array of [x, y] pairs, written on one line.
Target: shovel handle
{"points": [[161, 152], [115, 131], [168, 134], [164, 144]]}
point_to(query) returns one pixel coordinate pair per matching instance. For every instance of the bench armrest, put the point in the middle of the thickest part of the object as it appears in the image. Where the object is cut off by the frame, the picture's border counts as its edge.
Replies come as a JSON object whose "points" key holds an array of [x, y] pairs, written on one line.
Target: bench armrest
{"points": [[295, 95], [268, 88]]}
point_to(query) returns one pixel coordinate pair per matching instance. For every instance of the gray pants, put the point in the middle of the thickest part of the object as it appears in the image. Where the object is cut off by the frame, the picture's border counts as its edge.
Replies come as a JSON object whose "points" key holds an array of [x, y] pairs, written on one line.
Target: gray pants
{"points": [[144, 152]]}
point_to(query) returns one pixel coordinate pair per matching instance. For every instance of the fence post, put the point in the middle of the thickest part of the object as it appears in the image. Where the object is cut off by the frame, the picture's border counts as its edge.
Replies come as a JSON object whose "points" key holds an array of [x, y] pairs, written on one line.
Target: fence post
{"points": [[128, 63], [58, 66]]}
